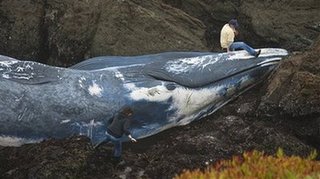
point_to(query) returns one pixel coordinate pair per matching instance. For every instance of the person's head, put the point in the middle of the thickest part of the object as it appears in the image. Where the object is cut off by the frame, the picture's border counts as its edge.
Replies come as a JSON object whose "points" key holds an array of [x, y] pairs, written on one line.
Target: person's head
{"points": [[234, 23], [127, 111]]}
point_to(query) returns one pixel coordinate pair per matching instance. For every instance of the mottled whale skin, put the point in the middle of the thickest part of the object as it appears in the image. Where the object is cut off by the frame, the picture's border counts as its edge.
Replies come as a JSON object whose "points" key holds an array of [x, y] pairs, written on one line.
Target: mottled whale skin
{"points": [[39, 101]]}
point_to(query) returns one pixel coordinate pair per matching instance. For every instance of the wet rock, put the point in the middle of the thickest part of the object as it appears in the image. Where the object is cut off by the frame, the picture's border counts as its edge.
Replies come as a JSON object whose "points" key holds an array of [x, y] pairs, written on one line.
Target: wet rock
{"points": [[294, 95], [21, 28], [63, 33], [69, 27], [295, 89], [262, 23], [245, 108], [214, 14], [303, 97], [50, 159], [266, 18], [135, 27]]}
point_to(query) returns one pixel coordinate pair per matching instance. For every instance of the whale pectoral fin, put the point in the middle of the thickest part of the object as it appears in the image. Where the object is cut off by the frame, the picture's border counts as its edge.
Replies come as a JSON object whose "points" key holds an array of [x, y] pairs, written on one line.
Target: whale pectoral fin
{"points": [[27, 72]]}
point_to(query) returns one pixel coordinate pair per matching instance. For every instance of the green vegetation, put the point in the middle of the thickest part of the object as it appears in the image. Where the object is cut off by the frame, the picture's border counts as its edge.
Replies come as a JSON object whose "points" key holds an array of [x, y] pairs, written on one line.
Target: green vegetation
{"points": [[256, 164]]}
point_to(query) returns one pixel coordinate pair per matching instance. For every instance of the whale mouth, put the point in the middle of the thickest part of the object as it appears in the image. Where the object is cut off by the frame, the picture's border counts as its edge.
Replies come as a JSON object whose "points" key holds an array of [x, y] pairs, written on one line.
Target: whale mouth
{"points": [[14, 141], [270, 61]]}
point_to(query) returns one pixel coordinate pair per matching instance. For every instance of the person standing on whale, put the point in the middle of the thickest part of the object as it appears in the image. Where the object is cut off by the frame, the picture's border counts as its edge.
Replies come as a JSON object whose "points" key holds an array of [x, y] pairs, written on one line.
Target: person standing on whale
{"points": [[119, 127], [227, 35]]}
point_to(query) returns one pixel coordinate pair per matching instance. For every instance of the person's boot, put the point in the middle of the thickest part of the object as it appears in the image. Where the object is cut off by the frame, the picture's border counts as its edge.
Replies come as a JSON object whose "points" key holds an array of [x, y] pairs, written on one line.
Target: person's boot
{"points": [[116, 160], [257, 53]]}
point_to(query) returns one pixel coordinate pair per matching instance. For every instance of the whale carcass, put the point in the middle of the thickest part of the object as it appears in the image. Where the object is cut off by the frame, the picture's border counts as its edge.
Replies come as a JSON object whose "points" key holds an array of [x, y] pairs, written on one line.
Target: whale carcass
{"points": [[169, 89]]}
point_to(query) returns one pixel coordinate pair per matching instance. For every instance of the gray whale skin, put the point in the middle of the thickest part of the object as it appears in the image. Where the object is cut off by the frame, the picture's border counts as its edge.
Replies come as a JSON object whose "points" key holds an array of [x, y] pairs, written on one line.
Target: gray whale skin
{"points": [[165, 90]]}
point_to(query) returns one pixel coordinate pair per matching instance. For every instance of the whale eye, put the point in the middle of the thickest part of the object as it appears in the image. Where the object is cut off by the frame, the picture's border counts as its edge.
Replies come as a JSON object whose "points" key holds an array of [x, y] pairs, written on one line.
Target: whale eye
{"points": [[170, 86]]}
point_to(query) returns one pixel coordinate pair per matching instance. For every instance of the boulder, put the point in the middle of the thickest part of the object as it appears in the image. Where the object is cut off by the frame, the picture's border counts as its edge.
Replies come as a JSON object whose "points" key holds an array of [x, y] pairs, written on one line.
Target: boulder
{"points": [[69, 28], [65, 32], [295, 87], [293, 95], [21, 28], [290, 24], [134, 27]]}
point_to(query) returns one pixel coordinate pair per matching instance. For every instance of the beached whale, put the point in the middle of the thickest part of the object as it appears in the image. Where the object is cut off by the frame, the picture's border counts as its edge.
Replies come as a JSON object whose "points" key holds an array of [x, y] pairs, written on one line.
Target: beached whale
{"points": [[169, 89]]}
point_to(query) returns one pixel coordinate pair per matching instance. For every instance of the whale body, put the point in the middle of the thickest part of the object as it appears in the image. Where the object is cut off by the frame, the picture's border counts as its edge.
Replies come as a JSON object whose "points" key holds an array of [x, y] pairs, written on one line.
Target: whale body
{"points": [[39, 101]]}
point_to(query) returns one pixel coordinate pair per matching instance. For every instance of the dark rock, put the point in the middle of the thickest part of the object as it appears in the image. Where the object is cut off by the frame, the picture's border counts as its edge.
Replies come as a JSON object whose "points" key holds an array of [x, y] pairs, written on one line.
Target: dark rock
{"points": [[290, 24], [281, 22], [50, 159], [245, 108], [20, 32], [294, 94], [134, 27], [63, 33], [69, 27], [295, 87]]}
